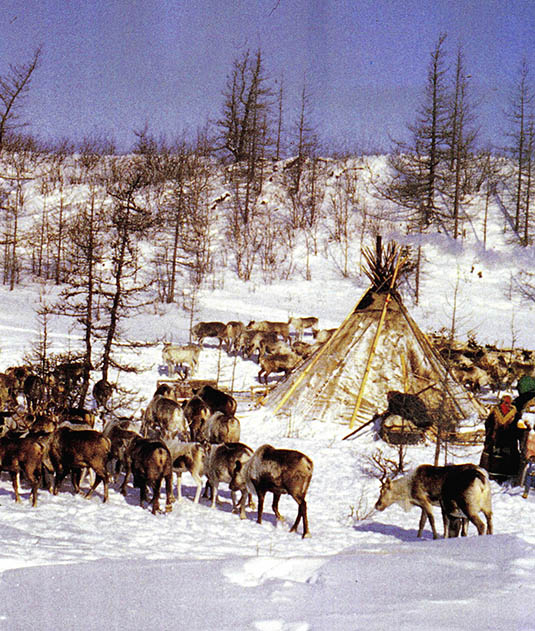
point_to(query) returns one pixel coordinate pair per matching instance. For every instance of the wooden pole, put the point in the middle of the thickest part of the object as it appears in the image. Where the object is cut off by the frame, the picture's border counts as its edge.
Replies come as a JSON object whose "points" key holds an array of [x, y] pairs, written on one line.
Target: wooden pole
{"points": [[374, 344]]}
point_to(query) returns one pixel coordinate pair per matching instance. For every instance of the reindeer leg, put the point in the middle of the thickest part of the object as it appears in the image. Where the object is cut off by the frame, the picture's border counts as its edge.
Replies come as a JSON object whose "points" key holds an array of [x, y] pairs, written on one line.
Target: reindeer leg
{"points": [[300, 505], [156, 497], [275, 506], [429, 513], [488, 517], [199, 488], [423, 519], [261, 494], [93, 486], [179, 487], [241, 505], [306, 531], [302, 514], [128, 468], [35, 487], [169, 496], [58, 479], [15, 478], [213, 487], [142, 492]]}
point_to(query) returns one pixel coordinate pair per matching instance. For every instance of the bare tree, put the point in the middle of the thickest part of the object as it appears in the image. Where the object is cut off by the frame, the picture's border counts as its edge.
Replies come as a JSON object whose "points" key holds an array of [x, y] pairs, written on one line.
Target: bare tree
{"points": [[415, 164], [519, 116], [14, 87], [304, 143], [280, 113], [186, 214], [123, 289], [461, 140], [343, 203], [83, 256], [246, 109], [20, 168]]}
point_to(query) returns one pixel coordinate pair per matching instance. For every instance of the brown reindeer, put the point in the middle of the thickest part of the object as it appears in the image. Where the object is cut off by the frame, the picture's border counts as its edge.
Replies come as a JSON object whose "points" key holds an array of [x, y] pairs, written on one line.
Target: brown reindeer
{"points": [[277, 471], [222, 428], [233, 331], [280, 328], [24, 455], [217, 400], [219, 467], [72, 450], [150, 463], [422, 487], [209, 329], [196, 413], [277, 363], [465, 493]]}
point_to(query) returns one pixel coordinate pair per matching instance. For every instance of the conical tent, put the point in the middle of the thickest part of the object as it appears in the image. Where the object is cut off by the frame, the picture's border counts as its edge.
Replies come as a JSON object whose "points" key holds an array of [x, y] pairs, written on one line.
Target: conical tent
{"points": [[377, 349]]}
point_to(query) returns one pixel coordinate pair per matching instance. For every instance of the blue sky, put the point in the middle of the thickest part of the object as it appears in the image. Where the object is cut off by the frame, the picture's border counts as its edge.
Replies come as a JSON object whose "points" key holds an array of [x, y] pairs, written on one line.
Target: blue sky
{"points": [[109, 66]]}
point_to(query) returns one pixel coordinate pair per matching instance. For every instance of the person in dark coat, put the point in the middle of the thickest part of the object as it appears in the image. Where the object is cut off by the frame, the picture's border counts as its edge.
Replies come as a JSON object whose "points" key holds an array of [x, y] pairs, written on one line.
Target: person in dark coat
{"points": [[501, 451]]}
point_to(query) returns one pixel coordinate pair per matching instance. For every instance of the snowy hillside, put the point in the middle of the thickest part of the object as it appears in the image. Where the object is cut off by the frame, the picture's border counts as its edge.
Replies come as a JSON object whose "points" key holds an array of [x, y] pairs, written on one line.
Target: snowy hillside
{"points": [[72, 563]]}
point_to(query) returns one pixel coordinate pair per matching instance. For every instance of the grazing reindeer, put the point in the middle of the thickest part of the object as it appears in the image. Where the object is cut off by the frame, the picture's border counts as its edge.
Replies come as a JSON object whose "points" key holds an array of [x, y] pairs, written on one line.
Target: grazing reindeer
{"points": [[465, 493], [150, 463], [422, 487], [24, 455], [220, 465], [277, 471], [188, 457], [71, 450]]}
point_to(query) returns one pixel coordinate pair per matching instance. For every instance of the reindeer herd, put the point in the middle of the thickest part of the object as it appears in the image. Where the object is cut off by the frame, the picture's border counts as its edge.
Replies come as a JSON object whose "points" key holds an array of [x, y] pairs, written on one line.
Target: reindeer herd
{"points": [[201, 436], [269, 343]]}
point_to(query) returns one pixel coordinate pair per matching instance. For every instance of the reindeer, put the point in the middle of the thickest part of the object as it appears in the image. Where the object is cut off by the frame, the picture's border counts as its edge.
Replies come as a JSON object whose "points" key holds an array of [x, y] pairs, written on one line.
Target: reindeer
{"points": [[280, 328], [421, 487], [209, 329], [277, 471], [300, 324], [222, 428], [465, 493], [219, 467], [175, 355], [150, 463]]}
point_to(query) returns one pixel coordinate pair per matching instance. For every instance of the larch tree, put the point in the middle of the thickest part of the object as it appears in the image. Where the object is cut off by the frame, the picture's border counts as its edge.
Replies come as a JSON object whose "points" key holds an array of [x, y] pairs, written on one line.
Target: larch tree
{"points": [[461, 141], [416, 164], [122, 289], [519, 116], [14, 88], [245, 135]]}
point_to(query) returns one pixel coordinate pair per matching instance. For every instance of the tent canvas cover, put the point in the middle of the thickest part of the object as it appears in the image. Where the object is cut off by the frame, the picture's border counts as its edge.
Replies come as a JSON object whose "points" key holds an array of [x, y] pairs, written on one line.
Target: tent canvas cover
{"points": [[377, 349]]}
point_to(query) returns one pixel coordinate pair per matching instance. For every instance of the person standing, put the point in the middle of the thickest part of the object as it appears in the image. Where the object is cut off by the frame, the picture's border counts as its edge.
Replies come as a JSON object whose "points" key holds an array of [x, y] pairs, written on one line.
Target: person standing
{"points": [[501, 451]]}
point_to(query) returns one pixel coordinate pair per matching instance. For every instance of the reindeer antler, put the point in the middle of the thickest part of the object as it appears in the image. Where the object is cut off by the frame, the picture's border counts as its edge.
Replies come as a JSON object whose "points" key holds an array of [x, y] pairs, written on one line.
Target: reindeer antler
{"points": [[383, 467]]}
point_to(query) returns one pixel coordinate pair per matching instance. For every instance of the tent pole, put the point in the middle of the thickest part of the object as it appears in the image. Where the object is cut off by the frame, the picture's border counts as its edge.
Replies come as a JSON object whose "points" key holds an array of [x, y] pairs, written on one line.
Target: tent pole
{"points": [[374, 344]]}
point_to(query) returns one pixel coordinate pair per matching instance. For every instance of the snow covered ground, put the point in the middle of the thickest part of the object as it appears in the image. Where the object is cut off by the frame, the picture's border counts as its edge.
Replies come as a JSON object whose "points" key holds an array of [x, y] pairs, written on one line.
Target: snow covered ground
{"points": [[72, 563]]}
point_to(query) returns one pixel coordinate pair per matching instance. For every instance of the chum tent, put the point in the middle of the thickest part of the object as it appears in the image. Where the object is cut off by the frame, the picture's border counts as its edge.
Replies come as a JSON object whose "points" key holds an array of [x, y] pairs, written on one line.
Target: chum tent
{"points": [[377, 349]]}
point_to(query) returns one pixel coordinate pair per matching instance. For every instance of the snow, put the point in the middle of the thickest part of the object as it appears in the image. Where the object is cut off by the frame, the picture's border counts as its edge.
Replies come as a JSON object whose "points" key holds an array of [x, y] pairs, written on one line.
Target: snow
{"points": [[76, 563]]}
